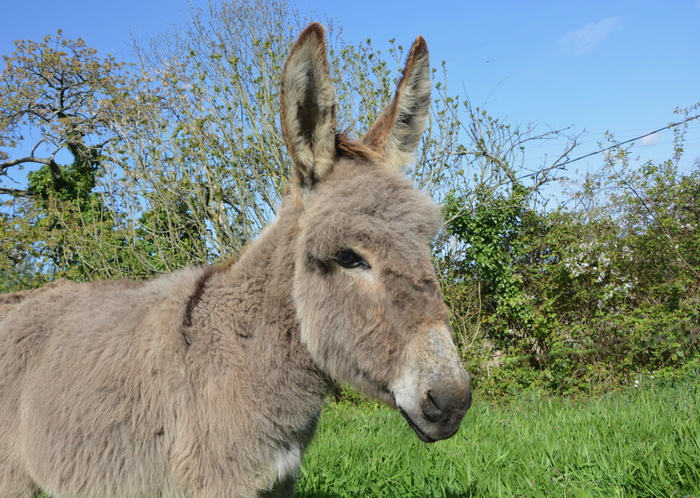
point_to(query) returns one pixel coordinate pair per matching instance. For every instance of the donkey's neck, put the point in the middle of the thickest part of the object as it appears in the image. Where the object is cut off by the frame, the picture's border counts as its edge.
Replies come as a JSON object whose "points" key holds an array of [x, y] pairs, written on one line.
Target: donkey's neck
{"points": [[249, 307]]}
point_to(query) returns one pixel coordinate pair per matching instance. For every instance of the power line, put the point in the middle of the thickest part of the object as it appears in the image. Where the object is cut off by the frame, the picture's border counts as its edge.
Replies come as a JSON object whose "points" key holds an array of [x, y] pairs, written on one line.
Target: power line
{"points": [[589, 138], [667, 127]]}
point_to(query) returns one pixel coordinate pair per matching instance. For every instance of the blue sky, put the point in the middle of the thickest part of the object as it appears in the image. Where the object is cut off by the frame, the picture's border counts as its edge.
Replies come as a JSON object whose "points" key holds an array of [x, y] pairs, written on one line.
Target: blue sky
{"points": [[617, 65]]}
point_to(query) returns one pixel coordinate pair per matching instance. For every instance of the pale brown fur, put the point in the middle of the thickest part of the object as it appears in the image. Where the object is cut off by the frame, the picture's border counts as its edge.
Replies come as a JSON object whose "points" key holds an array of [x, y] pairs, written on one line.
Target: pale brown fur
{"points": [[208, 382]]}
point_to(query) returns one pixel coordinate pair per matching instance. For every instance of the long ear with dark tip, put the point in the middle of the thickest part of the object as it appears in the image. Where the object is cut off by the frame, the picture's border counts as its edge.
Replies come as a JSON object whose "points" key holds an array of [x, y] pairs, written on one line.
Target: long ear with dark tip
{"points": [[308, 108], [396, 132]]}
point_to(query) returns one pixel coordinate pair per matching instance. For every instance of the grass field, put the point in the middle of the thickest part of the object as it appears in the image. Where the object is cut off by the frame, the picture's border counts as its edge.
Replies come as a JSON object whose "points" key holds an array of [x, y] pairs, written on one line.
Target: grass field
{"points": [[644, 441]]}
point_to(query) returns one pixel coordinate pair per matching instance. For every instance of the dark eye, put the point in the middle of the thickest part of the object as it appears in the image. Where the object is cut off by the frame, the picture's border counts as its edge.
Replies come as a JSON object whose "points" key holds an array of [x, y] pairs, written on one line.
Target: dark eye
{"points": [[347, 258]]}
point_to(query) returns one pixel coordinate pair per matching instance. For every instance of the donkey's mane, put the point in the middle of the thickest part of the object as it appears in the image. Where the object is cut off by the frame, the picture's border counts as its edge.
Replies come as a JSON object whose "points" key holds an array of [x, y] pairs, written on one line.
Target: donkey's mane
{"points": [[346, 147], [200, 284]]}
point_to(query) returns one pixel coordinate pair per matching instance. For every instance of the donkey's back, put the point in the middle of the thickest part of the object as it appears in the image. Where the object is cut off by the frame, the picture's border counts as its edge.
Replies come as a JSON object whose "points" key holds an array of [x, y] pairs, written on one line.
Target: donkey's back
{"points": [[10, 301], [80, 368]]}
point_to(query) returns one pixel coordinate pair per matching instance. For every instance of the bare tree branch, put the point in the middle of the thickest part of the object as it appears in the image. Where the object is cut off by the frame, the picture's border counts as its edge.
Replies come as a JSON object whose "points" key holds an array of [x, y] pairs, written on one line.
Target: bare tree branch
{"points": [[5, 165], [15, 192]]}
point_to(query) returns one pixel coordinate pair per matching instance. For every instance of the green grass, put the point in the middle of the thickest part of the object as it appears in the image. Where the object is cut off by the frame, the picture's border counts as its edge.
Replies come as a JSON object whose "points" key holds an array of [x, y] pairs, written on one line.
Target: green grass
{"points": [[644, 441]]}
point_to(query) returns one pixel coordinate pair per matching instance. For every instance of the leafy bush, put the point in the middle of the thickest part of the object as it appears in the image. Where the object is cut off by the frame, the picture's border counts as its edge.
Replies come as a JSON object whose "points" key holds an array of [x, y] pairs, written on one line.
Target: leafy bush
{"points": [[583, 298]]}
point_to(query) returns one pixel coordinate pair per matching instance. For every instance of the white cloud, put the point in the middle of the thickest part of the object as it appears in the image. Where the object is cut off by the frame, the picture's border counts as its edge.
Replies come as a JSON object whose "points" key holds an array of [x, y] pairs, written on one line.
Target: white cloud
{"points": [[650, 140], [585, 39]]}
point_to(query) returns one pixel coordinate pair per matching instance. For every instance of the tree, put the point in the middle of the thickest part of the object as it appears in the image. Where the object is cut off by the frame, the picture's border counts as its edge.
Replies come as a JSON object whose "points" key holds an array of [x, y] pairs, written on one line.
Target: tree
{"points": [[492, 211], [61, 92]]}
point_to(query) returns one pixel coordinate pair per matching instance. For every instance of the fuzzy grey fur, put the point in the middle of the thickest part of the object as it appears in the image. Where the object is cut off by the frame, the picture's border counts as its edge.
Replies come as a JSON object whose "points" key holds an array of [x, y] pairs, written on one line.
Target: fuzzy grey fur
{"points": [[209, 382]]}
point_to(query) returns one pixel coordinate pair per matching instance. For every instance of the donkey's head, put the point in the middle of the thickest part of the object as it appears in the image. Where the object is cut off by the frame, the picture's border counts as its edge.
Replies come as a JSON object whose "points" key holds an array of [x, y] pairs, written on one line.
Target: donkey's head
{"points": [[368, 301]]}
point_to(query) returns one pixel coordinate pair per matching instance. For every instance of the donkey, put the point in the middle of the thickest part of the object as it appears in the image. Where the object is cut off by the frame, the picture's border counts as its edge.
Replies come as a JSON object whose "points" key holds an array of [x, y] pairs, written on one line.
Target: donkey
{"points": [[210, 381]]}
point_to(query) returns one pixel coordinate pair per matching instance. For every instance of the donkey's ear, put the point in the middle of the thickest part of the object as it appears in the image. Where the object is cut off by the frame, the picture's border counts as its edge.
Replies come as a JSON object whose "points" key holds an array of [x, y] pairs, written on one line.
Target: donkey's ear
{"points": [[396, 132], [308, 108]]}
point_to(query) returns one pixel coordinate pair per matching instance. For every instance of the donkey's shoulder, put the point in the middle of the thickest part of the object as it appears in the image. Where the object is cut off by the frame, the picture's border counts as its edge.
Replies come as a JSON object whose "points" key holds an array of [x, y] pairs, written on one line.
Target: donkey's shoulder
{"points": [[167, 297]]}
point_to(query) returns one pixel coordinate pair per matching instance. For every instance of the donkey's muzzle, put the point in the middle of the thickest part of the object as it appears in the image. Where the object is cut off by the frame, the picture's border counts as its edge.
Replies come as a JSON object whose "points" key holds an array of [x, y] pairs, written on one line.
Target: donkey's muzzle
{"points": [[433, 392], [441, 411]]}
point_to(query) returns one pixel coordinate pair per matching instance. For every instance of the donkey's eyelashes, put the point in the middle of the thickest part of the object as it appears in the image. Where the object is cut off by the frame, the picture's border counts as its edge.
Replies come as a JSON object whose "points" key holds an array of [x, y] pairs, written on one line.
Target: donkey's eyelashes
{"points": [[347, 258]]}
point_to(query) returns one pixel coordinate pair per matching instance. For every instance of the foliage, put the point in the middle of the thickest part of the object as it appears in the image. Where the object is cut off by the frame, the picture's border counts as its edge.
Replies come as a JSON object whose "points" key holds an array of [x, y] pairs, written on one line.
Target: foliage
{"points": [[19, 234], [491, 233], [590, 293]]}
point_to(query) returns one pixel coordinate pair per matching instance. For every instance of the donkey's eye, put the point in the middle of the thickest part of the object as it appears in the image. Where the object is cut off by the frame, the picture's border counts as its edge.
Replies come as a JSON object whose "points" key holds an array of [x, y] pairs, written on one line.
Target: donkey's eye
{"points": [[347, 258]]}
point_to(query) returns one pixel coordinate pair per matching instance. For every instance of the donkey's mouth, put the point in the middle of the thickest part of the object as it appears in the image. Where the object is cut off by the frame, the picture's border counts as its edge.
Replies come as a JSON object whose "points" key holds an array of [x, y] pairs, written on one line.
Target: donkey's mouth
{"points": [[421, 435]]}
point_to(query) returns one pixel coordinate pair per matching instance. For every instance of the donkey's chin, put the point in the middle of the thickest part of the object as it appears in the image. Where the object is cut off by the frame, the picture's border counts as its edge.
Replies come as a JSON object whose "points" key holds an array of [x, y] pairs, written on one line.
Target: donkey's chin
{"points": [[429, 432]]}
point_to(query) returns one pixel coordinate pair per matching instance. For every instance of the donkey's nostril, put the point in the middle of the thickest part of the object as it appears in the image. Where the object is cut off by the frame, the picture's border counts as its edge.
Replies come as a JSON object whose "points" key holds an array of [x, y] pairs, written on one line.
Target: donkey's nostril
{"points": [[431, 407]]}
